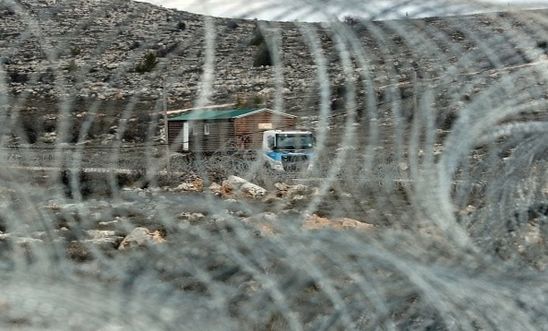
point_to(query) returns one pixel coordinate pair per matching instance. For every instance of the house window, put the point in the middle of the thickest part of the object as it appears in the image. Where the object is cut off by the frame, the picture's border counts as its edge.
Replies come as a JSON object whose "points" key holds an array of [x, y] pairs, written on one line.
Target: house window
{"points": [[206, 129]]}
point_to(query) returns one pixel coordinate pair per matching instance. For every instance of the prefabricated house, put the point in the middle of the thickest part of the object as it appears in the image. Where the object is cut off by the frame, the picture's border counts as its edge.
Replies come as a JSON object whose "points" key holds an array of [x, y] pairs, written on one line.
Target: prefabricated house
{"points": [[211, 130]]}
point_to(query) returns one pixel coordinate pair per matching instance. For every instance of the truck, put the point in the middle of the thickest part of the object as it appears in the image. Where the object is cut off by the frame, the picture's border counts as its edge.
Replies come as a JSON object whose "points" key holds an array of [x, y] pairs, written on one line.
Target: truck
{"points": [[288, 150]]}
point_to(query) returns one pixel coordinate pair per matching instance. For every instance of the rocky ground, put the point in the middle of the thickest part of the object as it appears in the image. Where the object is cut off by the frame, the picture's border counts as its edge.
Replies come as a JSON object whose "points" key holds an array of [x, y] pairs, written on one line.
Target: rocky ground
{"points": [[429, 211], [139, 217], [193, 239]]}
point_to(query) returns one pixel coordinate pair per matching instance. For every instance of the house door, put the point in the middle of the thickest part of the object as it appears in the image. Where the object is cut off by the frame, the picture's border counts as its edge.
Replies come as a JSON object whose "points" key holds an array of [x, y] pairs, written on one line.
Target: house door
{"points": [[186, 136]]}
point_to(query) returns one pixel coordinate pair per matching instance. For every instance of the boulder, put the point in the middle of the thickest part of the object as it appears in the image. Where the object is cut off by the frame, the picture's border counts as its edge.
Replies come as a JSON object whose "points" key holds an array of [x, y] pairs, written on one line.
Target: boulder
{"points": [[216, 189], [141, 237], [185, 187], [315, 222], [239, 187], [299, 189], [282, 187], [294, 192], [191, 217], [253, 191], [197, 185], [352, 224]]}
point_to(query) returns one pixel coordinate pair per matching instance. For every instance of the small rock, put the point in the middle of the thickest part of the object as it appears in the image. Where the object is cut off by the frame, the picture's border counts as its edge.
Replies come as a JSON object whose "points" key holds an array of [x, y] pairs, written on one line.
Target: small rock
{"points": [[107, 225], [470, 209], [216, 189], [184, 187], [191, 217], [298, 190], [196, 185], [293, 192], [100, 234], [141, 237], [282, 187], [349, 223], [533, 236], [27, 241]]}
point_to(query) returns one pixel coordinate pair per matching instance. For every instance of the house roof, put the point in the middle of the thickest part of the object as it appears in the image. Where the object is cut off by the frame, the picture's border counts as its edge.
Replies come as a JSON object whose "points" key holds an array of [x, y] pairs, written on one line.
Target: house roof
{"points": [[209, 114]]}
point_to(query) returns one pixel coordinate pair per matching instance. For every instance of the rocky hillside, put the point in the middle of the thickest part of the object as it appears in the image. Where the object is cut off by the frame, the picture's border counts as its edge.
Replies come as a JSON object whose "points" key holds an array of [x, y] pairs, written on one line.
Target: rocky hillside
{"points": [[121, 51]]}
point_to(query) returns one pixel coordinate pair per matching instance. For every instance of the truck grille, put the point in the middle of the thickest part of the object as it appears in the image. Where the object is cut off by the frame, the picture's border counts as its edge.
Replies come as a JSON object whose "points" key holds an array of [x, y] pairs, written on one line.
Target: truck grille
{"points": [[294, 162]]}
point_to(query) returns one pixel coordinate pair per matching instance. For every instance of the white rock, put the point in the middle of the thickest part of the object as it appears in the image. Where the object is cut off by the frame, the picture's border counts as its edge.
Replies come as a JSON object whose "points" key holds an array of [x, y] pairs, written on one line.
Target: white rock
{"points": [[100, 234], [191, 217], [140, 237], [238, 186], [215, 188], [252, 190], [196, 185]]}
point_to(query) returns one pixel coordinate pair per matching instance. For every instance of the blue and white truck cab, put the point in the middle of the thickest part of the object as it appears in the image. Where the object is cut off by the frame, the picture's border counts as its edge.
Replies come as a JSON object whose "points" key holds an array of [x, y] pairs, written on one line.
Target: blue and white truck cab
{"points": [[286, 151]]}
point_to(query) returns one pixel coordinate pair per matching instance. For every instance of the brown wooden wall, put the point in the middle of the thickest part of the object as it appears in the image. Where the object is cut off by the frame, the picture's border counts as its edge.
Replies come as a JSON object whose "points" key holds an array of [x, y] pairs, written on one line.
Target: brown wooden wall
{"points": [[174, 128], [221, 135], [242, 133], [249, 135]]}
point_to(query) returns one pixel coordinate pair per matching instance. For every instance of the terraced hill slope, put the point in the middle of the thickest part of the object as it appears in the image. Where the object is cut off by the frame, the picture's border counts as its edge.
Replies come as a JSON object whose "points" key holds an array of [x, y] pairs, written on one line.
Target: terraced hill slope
{"points": [[96, 50]]}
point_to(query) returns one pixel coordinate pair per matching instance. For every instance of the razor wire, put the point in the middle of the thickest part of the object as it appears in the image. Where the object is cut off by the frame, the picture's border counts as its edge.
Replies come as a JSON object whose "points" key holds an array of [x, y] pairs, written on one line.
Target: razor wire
{"points": [[426, 207]]}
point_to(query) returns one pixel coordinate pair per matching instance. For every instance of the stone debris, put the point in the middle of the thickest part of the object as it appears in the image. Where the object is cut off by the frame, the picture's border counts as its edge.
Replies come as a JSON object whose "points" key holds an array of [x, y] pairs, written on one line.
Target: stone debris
{"points": [[141, 237], [197, 185]]}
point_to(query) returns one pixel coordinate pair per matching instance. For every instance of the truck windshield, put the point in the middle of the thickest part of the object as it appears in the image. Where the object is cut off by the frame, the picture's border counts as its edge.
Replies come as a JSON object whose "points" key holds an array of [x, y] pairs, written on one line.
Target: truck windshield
{"points": [[294, 141]]}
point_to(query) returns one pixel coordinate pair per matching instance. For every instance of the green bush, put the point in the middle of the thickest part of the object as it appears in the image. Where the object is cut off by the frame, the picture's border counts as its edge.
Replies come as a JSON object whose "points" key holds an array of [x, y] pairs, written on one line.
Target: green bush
{"points": [[147, 64], [350, 20], [263, 57], [249, 101], [71, 66], [137, 130], [258, 37], [258, 100], [75, 51], [232, 25]]}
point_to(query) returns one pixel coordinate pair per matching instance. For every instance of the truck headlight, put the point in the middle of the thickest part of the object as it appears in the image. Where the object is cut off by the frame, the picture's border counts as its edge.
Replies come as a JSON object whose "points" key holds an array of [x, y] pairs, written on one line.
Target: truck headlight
{"points": [[277, 165]]}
